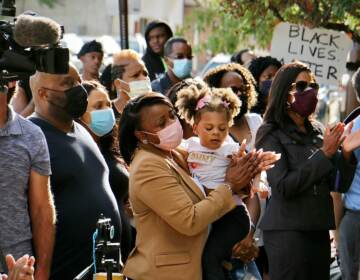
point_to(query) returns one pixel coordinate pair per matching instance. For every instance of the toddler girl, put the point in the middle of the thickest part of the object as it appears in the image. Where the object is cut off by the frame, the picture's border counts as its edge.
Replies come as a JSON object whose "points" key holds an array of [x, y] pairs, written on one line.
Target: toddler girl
{"points": [[211, 113]]}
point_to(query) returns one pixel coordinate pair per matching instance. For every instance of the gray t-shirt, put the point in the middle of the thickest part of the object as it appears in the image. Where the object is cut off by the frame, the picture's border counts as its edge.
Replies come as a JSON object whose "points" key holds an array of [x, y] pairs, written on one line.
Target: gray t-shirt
{"points": [[22, 148]]}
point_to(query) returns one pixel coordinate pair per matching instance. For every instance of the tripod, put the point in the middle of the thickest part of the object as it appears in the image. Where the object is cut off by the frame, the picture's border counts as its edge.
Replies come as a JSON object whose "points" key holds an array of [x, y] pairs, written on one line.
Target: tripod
{"points": [[103, 247]]}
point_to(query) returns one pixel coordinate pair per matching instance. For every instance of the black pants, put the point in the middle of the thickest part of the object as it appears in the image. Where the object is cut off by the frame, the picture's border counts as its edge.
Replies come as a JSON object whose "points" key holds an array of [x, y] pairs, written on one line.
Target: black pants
{"points": [[262, 262], [126, 235], [225, 233], [298, 255]]}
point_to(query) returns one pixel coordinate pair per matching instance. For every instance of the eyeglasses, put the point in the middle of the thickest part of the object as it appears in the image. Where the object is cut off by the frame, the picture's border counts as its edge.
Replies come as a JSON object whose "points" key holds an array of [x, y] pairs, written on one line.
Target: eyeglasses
{"points": [[300, 86], [353, 66]]}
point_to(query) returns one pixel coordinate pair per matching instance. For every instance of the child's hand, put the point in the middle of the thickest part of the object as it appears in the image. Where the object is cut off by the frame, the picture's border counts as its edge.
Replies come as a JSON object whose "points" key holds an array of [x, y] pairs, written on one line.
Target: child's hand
{"points": [[241, 171]]}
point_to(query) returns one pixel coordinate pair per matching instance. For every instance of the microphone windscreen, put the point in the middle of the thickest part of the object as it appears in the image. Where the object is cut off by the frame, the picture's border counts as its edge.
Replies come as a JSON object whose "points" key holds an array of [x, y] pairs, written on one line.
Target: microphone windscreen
{"points": [[32, 31]]}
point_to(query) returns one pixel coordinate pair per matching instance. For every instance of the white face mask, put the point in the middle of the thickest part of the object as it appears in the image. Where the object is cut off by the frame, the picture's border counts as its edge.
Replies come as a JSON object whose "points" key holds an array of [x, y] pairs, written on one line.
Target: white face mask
{"points": [[139, 87]]}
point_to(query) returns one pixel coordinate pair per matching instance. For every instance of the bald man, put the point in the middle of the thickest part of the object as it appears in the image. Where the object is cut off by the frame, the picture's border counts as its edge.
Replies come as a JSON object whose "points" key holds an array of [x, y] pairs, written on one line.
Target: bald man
{"points": [[22, 101], [129, 77], [79, 179]]}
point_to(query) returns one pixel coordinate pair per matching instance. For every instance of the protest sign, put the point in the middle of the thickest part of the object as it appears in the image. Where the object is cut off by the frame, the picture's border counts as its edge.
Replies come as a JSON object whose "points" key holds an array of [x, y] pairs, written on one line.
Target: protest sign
{"points": [[323, 50]]}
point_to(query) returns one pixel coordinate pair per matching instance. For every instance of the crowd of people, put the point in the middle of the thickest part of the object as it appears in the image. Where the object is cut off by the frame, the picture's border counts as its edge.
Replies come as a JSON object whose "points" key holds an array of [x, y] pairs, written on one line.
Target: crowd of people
{"points": [[220, 177]]}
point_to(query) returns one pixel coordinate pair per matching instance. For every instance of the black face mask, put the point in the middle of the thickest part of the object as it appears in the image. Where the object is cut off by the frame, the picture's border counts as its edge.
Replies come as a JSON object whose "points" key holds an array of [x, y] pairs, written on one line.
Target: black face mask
{"points": [[265, 87], [352, 66], [75, 102], [244, 107]]}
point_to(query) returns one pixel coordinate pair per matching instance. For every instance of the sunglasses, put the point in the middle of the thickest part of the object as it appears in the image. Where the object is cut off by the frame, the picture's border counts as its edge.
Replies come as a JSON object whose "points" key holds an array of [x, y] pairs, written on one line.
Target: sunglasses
{"points": [[353, 66], [241, 89], [301, 86]]}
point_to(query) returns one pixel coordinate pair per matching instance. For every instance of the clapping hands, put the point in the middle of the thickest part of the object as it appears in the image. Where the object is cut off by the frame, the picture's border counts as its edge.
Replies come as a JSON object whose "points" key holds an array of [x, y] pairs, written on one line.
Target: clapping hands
{"points": [[333, 139], [22, 269], [340, 135], [352, 139], [245, 166]]}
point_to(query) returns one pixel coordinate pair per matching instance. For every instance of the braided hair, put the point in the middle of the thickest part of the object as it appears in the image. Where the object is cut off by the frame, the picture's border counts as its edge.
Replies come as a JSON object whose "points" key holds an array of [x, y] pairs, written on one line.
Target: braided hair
{"points": [[131, 121]]}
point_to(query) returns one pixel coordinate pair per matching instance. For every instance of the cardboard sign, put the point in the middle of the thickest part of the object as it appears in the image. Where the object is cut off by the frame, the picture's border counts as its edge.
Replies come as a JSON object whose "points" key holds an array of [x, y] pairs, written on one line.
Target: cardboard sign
{"points": [[323, 50]]}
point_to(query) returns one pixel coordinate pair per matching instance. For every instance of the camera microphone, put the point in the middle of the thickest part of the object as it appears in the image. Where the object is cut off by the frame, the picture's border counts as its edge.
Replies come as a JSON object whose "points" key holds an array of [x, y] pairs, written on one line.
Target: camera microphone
{"points": [[31, 44], [33, 31]]}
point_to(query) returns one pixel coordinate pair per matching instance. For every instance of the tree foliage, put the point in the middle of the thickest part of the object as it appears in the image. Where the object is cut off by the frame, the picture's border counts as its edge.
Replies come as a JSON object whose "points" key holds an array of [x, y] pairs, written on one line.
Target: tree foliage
{"points": [[49, 3], [223, 30], [232, 22]]}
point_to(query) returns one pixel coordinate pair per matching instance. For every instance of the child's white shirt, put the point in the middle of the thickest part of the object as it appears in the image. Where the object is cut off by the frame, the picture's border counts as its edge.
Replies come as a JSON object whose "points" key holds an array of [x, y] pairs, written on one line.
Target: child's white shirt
{"points": [[207, 166]]}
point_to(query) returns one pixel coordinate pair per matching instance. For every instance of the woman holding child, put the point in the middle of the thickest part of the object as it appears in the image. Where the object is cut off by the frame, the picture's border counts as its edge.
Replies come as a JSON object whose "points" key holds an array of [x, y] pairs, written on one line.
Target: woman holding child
{"points": [[172, 212]]}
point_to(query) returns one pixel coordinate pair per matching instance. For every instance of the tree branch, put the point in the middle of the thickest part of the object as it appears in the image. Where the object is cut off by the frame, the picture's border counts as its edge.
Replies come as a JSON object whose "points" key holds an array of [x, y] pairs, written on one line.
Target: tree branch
{"points": [[276, 12], [342, 27]]}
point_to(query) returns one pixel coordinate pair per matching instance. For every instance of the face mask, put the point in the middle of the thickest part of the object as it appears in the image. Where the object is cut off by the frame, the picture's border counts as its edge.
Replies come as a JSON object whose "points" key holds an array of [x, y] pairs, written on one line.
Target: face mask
{"points": [[305, 102], [265, 87], [139, 87], [102, 121], [243, 108], [75, 101], [182, 68], [170, 137]]}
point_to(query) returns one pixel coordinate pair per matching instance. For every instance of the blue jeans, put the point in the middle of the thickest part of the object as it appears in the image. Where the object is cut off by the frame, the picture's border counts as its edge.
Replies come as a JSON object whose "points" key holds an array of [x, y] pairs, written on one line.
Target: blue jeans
{"points": [[243, 271]]}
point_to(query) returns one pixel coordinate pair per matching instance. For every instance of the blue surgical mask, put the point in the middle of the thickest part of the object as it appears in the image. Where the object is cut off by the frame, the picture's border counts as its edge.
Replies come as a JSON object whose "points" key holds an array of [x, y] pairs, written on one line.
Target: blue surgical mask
{"points": [[102, 121], [182, 68]]}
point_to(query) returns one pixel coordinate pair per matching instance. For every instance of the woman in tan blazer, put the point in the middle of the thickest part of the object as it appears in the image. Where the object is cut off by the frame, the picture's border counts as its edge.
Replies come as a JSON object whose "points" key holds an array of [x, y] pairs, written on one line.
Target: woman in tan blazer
{"points": [[171, 212]]}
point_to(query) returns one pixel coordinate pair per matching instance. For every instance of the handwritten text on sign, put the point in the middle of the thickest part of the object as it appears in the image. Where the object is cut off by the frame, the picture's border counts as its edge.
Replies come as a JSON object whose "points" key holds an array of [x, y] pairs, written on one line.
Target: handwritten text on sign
{"points": [[323, 50]]}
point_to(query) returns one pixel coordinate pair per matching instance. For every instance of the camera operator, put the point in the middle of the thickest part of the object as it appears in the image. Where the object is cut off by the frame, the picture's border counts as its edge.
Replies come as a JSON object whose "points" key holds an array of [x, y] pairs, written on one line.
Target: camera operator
{"points": [[27, 214], [21, 101], [80, 176]]}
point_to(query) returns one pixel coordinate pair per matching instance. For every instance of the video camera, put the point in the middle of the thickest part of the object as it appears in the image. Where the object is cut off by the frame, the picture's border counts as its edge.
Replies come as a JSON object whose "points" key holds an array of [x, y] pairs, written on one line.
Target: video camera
{"points": [[29, 43], [104, 249]]}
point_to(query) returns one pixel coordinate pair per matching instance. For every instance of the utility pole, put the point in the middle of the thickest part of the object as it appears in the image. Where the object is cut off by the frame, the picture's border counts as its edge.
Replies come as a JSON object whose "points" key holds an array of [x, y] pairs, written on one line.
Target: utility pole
{"points": [[124, 31]]}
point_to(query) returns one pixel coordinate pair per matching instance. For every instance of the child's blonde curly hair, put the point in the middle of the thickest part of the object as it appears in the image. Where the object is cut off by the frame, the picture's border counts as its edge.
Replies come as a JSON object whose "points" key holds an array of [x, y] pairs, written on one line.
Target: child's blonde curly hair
{"points": [[192, 101]]}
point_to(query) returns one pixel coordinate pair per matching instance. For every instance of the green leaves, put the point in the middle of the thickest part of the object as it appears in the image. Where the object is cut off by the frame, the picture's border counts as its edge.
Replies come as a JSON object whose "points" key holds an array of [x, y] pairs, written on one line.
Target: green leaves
{"points": [[49, 3], [232, 24]]}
